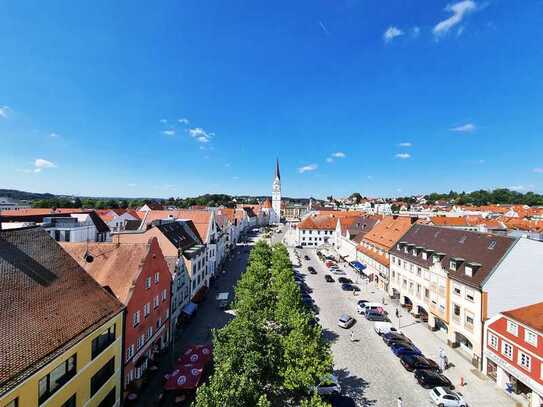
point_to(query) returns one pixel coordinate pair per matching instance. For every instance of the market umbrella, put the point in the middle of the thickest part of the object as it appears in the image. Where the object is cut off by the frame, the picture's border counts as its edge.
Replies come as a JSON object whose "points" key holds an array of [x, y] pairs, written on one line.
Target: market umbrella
{"points": [[186, 377], [197, 355]]}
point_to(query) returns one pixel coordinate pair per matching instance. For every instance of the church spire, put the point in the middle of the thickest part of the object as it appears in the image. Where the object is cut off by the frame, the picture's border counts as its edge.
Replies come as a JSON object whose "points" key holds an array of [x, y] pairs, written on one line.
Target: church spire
{"points": [[277, 173]]}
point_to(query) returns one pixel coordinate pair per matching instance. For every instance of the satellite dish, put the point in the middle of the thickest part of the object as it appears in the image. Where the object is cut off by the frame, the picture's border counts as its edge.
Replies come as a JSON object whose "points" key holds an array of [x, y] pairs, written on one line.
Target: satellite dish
{"points": [[89, 258]]}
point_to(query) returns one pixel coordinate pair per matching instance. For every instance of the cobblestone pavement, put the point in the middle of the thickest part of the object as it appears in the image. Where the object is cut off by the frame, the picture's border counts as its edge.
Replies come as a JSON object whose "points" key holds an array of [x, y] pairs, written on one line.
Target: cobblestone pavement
{"points": [[368, 371], [197, 331]]}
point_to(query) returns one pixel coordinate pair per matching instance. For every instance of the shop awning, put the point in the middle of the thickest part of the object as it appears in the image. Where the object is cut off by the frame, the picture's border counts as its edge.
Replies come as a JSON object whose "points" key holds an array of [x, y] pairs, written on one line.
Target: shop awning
{"points": [[190, 308], [357, 265], [197, 355]]}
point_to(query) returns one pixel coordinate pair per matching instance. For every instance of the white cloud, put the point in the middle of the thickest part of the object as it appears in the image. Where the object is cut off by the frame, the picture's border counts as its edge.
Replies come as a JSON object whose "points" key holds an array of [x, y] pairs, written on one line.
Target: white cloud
{"points": [[403, 156], [329, 160], [339, 154], [538, 170], [200, 135], [40, 164], [308, 168], [169, 132], [465, 128], [459, 11], [4, 111], [391, 33], [183, 120], [517, 187], [54, 135], [405, 144]]}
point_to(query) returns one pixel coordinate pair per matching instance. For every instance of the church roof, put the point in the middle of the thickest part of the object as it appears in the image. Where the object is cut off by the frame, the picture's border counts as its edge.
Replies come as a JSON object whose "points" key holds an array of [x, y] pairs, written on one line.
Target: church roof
{"points": [[277, 172], [267, 204]]}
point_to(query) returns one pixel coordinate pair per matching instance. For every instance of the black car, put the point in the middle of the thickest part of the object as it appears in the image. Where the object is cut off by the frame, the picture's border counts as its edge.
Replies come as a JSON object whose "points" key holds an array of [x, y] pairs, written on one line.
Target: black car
{"points": [[311, 270], [417, 362], [376, 316], [329, 278], [307, 257], [391, 337], [338, 400], [349, 287], [430, 379], [344, 280]]}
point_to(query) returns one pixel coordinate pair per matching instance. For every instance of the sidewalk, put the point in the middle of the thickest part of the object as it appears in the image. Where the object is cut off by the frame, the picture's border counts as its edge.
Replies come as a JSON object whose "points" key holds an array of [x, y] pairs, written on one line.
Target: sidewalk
{"points": [[478, 390]]}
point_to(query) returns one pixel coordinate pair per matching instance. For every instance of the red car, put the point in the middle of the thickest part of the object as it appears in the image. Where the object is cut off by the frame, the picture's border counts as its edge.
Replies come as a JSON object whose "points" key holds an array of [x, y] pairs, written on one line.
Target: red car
{"points": [[329, 263]]}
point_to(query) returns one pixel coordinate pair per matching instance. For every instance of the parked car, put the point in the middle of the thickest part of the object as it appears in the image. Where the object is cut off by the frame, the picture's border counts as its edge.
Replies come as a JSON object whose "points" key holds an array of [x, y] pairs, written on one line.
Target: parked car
{"points": [[360, 305], [404, 348], [306, 257], [347, 287], [395, 336], [382, 328], [444, 397], [311, 270], [371, 306], [329, 278], [329, 263], [430, 379], [345, 321], [415, 362], [376, 316], [338, 400], [344, 280], [329, 385]]}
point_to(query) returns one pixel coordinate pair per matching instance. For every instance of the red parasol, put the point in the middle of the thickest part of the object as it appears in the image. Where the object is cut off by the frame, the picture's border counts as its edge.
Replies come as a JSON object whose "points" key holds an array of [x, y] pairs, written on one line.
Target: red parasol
{"points": [[197, 355], [185, 377]]}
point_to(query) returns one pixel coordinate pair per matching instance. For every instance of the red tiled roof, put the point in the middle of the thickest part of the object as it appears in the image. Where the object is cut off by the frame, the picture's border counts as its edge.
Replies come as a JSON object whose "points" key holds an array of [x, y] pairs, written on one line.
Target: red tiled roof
{"points": [[200, 218], [531, 315], [374, 255], [47, 303], [387, 232]]}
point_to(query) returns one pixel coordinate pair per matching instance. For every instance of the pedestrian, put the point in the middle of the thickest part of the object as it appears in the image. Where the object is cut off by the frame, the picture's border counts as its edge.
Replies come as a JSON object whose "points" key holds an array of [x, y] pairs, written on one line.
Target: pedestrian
{"points": [[352, 336], [399, 403], [442, 357], [397, 313]]}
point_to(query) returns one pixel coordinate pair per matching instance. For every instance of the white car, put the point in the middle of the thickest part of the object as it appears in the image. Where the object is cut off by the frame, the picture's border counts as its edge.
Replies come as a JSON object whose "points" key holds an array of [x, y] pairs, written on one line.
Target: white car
{"points": [[384, 328], [345, 321], [447, 398], [329, 385], [370, 306]]}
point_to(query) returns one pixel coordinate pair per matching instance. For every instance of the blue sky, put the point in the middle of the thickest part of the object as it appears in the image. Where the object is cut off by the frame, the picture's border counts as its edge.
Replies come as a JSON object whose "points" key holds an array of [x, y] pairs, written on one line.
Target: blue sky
{"points": [[177, 98]]}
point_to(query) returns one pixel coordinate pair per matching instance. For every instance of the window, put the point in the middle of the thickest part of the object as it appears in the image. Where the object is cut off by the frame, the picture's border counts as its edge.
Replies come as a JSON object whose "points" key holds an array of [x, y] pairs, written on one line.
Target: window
{"points": [[140, 341], [507, 350], [103, 340], [130, 352], [469, 318], [493, 341], [149, 332], [470, 296], [524, 360], [457, 290], [424, 256], [419, 271], [136, 318], [530, 337], [512, 328], [452, 265], [13, 403], [109, 400], [146, 310], [456, 310], [102, 376], [49, 384], [164, 294], [156, 301], [67, 235], [157, 278], [71, 402], [148, 282], [426, 293], [158, 323], [468, 271], [492, 245]]}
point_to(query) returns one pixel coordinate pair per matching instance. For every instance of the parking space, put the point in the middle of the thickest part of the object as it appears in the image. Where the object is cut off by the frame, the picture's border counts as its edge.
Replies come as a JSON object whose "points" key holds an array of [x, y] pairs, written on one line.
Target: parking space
{"points": [[369, 372]]}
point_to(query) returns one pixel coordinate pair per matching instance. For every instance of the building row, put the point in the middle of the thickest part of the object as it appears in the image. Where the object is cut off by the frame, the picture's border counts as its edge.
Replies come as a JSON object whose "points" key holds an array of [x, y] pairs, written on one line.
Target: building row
{"points": [[458, 279]]}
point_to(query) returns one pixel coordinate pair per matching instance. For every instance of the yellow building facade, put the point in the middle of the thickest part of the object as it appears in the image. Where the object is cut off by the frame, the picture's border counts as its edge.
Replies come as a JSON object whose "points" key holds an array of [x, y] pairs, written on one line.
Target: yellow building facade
{"points": [[87, 374]]}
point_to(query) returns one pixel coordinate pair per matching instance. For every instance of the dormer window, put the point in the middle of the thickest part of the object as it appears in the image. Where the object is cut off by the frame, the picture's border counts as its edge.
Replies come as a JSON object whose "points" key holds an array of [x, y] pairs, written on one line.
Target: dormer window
{"points": [[468, 271], [452, 265], [415, 252], [435, 258], [399, 246], [424, 256], [406, 249]]}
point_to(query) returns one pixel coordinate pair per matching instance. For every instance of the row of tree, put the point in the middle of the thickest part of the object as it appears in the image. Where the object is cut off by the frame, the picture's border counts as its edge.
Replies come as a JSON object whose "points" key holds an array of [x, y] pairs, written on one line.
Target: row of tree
{"points": [[484, 197], [270, 354]]}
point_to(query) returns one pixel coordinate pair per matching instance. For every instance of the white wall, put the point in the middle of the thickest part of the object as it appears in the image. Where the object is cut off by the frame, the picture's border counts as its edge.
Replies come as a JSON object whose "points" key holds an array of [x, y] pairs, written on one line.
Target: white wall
{"points": [[518, 279]]}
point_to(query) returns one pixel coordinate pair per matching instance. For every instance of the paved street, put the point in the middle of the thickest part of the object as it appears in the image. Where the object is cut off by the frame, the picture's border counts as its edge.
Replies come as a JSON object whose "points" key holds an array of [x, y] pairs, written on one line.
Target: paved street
{"points": [[367, 369], [197, 330]]}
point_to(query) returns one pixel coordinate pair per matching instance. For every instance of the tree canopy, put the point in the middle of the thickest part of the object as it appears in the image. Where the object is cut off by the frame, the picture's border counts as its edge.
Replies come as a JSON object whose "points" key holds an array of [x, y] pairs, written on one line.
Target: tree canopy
{"points": [[486, 197], [270, 354]]}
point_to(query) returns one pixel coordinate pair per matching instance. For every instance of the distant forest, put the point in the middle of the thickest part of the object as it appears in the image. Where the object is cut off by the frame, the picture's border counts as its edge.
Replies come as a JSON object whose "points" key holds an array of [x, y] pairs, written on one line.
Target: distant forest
{"points": [[484, 197]]}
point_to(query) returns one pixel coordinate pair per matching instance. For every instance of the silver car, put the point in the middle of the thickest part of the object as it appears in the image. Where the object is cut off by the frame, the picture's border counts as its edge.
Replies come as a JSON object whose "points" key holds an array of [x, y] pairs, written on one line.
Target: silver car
{"points": [[443, 397], [345, 321]]}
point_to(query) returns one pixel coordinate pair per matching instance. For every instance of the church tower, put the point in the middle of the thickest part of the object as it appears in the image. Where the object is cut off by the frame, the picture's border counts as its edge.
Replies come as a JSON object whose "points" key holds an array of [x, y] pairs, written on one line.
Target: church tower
{"points": [[275, 217]]}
